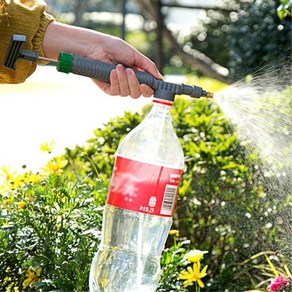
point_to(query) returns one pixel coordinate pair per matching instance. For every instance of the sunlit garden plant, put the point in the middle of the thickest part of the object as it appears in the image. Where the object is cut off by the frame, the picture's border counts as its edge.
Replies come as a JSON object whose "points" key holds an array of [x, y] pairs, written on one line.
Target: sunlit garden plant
{"points": [[271, 277], [181, 266], [50, 229]]}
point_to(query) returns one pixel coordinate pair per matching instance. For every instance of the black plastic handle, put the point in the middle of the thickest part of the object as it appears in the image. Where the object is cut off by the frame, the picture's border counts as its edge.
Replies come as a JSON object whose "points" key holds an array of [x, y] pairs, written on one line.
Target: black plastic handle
{"points": [[101, 71]]}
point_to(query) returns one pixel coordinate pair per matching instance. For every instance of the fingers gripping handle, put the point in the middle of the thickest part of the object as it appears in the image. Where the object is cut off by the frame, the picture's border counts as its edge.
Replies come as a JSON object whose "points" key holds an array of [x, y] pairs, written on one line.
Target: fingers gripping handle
{"points": [[92, 69], [95, 69], [99, 70]]}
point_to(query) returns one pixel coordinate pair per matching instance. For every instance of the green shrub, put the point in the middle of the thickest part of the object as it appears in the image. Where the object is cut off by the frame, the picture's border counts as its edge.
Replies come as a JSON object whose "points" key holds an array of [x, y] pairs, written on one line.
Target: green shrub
{"points": [[222, 203], [251, 35], [50, 229], [258, 38]]}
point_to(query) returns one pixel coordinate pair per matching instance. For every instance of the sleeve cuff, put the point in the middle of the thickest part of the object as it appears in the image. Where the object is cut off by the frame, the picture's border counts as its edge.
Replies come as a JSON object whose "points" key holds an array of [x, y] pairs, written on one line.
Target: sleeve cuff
{"points": [[37, 41]]}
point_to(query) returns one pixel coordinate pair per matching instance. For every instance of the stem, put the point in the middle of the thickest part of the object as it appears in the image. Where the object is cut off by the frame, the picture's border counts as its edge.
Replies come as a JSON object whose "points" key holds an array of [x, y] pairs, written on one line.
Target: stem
{"points": [[198, 289]]}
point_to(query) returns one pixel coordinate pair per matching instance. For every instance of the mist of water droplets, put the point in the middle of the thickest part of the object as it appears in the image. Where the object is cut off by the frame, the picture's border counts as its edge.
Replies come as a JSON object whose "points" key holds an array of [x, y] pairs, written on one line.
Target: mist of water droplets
{"points": [[260, 110]]}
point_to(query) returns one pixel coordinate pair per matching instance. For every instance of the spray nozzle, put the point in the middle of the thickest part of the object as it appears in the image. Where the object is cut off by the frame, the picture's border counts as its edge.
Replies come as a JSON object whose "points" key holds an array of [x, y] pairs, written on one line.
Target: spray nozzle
{"points": [[68, 63], [209, 94]]}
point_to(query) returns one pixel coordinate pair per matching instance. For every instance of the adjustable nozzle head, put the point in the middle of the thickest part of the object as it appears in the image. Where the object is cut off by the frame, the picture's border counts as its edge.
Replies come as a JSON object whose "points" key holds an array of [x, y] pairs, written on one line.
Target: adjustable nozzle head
{"points": [[207, 94]]}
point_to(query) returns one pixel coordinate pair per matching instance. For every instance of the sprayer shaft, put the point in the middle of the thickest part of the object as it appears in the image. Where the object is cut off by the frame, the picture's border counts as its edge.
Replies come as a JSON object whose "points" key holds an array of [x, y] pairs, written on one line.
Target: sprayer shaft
{"points": [[95, 69], [53, 61], [99, 70]]}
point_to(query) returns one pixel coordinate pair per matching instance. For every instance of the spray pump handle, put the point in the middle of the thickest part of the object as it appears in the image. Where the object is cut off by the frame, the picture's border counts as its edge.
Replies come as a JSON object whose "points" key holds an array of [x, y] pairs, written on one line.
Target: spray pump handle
{"points": [[95, 69], [68, 63]]}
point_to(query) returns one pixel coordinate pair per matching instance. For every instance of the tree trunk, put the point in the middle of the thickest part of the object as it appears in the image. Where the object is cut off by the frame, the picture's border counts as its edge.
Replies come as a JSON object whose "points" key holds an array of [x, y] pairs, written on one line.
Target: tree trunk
{"points": [[158, 40], [80, 8], [194, 58]]}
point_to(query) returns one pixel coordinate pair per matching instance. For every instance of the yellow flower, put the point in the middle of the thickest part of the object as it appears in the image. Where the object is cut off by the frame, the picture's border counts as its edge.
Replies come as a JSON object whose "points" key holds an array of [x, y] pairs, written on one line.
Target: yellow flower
{"points": [[6, 203], [56, 165], [32, 276], [174, 232], [48, 146], [8, 175], [17, 182], [195, 255], [11, 179], [3, 189], [21, 204], [193, 275], [103, 282], [32, 178]]}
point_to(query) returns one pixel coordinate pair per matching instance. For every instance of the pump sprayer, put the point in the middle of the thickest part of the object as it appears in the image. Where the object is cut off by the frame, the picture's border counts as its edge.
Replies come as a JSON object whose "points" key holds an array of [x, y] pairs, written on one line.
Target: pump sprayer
{"points": [[149, 163], [67, 63]]}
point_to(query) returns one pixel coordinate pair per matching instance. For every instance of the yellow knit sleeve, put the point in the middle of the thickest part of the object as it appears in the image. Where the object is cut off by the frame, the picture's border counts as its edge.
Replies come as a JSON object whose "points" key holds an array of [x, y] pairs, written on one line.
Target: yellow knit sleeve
{"points": [[26, 17]]}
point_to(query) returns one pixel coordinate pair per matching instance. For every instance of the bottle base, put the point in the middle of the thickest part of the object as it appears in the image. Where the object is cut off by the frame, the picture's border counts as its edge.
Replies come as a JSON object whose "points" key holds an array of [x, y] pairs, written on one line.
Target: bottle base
{"points": [[124, 275]]}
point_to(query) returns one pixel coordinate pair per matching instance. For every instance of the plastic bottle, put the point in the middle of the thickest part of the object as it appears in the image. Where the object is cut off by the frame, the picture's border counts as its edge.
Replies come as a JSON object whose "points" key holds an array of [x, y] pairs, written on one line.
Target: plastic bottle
{"points": [[140, 205]]}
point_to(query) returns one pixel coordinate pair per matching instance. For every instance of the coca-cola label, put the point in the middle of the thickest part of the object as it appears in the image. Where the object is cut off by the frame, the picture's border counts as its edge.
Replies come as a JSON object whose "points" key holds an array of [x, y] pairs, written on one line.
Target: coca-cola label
{"points": [[144, 187]]}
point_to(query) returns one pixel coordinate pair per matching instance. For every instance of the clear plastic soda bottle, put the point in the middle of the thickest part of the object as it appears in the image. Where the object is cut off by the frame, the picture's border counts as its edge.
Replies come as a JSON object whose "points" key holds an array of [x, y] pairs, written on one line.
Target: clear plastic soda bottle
{"points": [[140, 204]]}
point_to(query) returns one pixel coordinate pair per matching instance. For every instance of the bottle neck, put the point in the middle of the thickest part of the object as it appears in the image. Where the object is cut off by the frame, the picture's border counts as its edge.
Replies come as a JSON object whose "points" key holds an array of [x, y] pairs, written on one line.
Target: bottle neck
{"points": [[161, 109]]}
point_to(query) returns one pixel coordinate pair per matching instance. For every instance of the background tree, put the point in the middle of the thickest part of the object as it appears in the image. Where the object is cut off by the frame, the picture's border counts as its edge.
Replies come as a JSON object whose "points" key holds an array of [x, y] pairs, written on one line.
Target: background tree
{"points": [[228, 42], [239, 37], [80, 7], [258, 38], [192, 57]]}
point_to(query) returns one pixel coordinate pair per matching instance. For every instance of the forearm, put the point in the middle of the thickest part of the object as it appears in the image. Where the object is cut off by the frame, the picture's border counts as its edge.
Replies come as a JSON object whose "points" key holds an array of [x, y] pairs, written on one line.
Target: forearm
{"points": [[102, 47], [79, 41], [92, 44]]}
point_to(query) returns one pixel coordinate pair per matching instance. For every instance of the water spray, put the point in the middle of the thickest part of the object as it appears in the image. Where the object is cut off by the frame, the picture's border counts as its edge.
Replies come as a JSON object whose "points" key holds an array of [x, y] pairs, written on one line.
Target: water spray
{"points": [[67, 63]]}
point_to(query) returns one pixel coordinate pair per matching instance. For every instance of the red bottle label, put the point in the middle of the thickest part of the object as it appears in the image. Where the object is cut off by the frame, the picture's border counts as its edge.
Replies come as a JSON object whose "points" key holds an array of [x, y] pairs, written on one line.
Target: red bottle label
{"points": [[144, 187]]}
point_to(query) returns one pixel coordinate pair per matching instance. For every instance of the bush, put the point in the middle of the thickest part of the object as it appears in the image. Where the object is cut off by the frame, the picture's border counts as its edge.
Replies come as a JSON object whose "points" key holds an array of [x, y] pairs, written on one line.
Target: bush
{"points": [[258, 37], [253, 34], [50, 229], [222, 205]]}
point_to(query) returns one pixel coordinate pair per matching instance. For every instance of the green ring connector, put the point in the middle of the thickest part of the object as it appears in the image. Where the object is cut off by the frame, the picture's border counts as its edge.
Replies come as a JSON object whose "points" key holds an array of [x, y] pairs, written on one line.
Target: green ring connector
{"points": [[65, 61]]}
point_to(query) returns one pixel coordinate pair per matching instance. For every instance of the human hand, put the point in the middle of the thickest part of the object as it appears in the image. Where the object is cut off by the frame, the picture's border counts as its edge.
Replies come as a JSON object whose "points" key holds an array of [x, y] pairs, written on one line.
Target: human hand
{"points": [[124, 82], [98, 46]]}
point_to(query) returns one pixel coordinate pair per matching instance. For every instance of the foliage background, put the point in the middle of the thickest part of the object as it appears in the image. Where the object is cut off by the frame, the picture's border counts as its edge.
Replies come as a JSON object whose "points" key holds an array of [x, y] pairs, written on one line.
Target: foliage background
{"points": [[240, 35], [247, 38]]}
